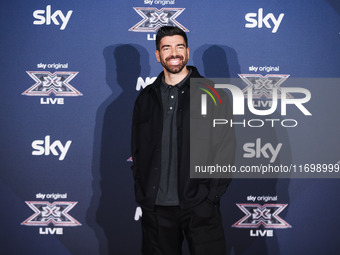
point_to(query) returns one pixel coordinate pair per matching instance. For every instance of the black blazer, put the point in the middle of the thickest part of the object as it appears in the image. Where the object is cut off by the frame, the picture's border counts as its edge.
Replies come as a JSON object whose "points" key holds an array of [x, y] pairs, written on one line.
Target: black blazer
{"points": [[146, 149]]}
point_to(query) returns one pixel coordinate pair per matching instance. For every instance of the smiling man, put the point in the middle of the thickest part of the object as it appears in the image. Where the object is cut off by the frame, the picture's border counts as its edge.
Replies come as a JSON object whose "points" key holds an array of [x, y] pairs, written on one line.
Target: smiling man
{"points": [[172, 52], [173, 205]]}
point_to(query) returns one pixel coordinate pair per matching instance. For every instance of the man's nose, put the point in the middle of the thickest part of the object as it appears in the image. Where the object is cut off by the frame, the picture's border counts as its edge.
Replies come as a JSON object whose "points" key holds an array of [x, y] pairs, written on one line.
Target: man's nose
{"points": [[174, 52]]}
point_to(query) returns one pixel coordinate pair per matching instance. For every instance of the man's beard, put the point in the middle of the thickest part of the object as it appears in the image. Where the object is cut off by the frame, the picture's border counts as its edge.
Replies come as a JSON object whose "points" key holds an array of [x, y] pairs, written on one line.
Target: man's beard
{"points": [[174, 69]]}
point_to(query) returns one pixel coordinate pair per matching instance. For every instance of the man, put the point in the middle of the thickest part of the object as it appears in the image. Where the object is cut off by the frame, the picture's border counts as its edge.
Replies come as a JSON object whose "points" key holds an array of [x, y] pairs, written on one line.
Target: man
{"points": [[173, 205]]}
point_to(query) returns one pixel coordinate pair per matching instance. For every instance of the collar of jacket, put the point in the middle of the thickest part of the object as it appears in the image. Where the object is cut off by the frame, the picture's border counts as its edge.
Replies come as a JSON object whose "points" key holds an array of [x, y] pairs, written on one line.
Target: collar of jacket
{"points": [[194, 74]]}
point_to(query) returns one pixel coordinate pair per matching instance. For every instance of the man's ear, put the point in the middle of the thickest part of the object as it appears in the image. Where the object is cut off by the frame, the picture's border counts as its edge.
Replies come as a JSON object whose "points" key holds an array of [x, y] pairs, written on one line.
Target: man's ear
{"points": [[157, 56]]}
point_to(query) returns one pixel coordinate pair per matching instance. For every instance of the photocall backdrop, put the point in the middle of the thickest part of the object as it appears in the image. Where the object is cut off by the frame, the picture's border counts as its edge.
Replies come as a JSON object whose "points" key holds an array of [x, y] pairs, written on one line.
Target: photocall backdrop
{"points": [[70, 73]]}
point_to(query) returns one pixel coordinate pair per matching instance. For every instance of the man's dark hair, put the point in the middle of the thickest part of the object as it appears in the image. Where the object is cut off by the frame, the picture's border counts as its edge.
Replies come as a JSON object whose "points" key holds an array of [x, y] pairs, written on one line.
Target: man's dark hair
{"points": [[169, 31]]}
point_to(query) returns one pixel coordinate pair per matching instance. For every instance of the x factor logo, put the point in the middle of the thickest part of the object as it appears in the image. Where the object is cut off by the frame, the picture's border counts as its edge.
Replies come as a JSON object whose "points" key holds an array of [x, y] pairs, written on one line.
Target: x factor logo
{"points": [[154, 19], [262, 86], [46, 213], [266, 215], [56, 83]]}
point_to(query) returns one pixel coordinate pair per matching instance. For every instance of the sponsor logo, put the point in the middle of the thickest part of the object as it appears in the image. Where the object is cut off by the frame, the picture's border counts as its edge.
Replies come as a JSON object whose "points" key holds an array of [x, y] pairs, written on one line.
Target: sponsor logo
{"points": [[266, 215], [258, 20], [45, 147], [154, 18], [52, 66], [138, 213], [56, 83], [48, 83], [54, 196], [46, 17], [51, 217], [141, 84], [263, 86], [160, 2], [261, 219], [264, 69], [252, 150]]}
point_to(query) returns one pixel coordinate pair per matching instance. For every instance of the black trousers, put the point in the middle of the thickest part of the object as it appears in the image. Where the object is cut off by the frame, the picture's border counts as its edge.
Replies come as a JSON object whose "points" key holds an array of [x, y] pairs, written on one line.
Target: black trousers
{"points": [[165, 227]]}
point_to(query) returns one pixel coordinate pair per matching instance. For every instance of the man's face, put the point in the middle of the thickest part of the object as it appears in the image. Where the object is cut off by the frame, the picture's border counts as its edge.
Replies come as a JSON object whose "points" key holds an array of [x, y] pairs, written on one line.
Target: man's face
{"points": [[173, 53]]}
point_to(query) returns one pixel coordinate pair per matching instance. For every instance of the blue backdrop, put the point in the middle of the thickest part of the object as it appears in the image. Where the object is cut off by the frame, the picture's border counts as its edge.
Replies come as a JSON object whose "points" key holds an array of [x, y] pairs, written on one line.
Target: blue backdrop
{"points": [[70, 72]]}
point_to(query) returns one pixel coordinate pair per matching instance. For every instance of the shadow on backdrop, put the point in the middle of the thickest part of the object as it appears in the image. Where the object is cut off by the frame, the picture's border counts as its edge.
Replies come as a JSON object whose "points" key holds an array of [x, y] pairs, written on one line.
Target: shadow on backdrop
{"points": [[220, 61], [111, 214], [335, 4]]}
